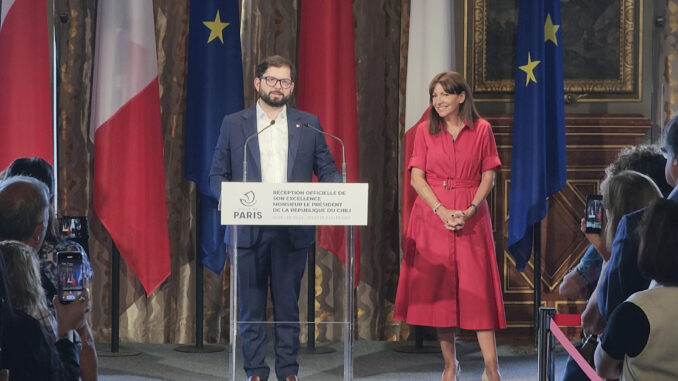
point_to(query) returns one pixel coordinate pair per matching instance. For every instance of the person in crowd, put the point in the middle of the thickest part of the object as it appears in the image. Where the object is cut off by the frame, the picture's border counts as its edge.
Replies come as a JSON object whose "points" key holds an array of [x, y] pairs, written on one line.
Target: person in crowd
{"points": [[27, 351], [24, 287], [271, 255], [449, 277], [583, 279], [24, 210], [639, 342], [621, 277], [24, 215], [47, 254], [647, 159], [623, 193]]}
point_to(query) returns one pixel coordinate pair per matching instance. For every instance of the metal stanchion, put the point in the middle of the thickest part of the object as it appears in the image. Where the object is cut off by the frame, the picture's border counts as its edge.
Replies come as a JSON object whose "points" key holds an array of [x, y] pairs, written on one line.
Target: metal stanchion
{"points": [[545, 344], [536, 246], [115, 351], [200, 346]]}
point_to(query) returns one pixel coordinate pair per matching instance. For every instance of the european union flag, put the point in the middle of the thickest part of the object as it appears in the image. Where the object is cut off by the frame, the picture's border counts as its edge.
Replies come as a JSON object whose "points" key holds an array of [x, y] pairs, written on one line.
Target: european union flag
{"points": [[215, 89], [538, 167]]}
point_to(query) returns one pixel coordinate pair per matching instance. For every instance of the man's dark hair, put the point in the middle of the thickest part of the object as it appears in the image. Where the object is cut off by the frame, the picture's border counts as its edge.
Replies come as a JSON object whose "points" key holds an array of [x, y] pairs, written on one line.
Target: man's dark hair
{"points": [[275, 61], [658, 231], [23, 204], [34, 167], [647, 159]]}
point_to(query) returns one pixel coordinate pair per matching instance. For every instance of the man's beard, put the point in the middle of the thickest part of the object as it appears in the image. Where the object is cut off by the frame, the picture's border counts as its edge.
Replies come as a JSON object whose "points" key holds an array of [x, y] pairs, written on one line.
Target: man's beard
{"points": [[273, 102]]}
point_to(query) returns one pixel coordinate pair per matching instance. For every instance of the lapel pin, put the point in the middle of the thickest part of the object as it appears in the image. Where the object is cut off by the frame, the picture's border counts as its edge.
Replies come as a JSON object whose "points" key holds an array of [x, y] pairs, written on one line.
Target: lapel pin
{"points": [[298, 125]]}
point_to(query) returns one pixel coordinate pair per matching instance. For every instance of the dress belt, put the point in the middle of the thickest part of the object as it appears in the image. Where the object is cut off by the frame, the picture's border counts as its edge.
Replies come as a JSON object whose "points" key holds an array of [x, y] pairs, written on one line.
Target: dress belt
{"points": [[450, 183]]}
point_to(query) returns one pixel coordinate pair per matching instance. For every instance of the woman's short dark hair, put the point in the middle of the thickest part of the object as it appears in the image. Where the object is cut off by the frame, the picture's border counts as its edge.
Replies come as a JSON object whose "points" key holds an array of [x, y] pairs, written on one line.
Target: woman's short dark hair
{"points": [[34, 167], [275, 61], [658, 231], [453, 83]]}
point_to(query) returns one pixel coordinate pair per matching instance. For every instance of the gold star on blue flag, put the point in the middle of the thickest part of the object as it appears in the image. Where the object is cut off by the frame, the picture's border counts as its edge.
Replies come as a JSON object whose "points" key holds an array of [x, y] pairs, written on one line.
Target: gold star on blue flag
{"points": [[528, 68], [216, 28], [538, 167]]}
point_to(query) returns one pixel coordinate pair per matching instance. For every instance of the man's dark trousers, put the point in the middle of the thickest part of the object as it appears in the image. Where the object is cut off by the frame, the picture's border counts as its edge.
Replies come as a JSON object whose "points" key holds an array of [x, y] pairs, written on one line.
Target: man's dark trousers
{"points": [[273, 261]]}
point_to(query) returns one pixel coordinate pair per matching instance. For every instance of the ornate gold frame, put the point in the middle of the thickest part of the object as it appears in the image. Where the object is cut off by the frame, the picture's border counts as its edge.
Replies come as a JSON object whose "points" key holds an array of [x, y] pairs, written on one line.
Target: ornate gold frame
{"points": [[626, 87]]}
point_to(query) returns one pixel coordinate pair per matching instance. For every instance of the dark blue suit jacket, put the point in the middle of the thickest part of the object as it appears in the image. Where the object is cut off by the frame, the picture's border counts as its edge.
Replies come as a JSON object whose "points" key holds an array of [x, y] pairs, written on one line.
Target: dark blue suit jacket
{"points": [[622, 277], [307, 153]]}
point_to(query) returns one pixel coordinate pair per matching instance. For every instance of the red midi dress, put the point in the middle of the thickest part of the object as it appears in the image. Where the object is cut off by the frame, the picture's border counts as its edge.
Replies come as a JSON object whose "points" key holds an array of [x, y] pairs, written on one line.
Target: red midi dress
{"points": [[450, 278]]}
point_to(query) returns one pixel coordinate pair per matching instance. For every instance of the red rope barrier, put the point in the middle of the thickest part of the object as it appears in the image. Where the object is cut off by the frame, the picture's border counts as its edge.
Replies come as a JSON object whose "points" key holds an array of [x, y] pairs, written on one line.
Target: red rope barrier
{"points": [[568, 320], [572, 351]]}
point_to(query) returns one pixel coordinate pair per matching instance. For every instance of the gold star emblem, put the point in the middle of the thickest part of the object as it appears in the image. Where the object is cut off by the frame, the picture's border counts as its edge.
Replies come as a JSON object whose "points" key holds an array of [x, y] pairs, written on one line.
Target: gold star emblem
{"points": [[550, 30], [529, 69], [216, 28]]}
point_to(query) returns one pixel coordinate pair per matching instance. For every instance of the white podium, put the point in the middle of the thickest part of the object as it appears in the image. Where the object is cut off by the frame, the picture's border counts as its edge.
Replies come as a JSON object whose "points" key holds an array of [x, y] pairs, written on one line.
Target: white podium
{"points": [[318, 204]]}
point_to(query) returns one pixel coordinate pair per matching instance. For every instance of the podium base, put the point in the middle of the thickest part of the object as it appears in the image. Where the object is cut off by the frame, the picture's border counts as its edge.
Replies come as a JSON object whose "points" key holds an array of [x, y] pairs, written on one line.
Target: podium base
{"points": [[205, 348]]}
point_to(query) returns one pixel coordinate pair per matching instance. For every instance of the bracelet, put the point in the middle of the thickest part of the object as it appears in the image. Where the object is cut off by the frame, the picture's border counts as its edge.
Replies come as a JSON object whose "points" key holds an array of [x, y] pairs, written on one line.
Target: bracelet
{"points": [[475, 207], [435, 207]]}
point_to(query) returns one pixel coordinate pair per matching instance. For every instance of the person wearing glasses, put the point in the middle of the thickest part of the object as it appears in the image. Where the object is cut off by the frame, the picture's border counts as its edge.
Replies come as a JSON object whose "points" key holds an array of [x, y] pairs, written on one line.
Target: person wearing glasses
{"points": [[284, 147]]}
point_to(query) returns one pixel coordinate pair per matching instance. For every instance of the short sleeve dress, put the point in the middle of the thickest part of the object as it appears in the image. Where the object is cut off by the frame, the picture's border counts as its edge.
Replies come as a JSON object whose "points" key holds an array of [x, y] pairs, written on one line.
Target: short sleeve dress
{"points": [[450, 278]]}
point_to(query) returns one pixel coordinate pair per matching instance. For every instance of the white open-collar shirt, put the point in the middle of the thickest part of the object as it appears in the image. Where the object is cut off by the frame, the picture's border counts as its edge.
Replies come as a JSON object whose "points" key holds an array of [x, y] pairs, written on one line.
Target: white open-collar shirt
{"points": [[273, 145]]}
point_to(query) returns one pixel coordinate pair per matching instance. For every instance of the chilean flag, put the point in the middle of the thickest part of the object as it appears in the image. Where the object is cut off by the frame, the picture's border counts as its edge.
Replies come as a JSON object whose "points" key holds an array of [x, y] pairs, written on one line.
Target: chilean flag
{"points": [[129, 173], [25, 91], [430, 51]]}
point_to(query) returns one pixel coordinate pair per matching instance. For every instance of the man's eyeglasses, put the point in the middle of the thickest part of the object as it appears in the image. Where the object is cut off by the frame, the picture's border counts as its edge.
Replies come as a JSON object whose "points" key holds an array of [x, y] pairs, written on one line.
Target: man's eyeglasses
{"points": [[272, 81]]}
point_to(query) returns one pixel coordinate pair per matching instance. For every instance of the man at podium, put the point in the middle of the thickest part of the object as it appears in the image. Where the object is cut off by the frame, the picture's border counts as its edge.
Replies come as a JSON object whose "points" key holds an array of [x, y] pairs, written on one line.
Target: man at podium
{"points": [[282, 145]]}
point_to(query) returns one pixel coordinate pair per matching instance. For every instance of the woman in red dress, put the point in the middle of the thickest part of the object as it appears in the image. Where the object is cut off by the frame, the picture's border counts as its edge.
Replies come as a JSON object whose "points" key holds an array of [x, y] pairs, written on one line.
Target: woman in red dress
{"points": [[448, 276]]}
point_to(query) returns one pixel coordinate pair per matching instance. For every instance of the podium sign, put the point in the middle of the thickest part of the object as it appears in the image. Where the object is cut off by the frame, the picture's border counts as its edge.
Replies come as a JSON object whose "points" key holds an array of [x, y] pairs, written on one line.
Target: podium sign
{"points": [[294, 203]]}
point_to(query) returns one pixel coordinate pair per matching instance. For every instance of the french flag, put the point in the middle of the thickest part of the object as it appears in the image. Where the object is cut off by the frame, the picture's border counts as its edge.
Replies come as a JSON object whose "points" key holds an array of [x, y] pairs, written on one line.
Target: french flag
{"points": [[430, 51], [25, 91], [129, 172]]}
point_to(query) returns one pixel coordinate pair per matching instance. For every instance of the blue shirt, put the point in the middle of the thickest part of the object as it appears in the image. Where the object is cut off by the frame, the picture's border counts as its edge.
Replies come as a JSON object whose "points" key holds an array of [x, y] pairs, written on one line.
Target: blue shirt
{"points": [[589, 268]]}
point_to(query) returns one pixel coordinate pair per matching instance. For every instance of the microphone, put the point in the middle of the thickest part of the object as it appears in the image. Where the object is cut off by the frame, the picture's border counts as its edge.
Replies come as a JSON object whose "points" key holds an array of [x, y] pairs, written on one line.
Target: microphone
{"points": [[343, 154], [244, 155]]}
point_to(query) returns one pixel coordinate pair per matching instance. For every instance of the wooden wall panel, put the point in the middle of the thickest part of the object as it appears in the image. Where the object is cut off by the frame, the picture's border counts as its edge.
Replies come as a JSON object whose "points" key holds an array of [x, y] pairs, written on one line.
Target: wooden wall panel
{"points": [[593, 141]]}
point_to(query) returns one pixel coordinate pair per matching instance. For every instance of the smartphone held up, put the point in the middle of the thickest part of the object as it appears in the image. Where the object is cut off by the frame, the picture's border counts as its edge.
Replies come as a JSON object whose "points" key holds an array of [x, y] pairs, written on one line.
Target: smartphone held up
{"points": [[70, 275], [594, 213]]}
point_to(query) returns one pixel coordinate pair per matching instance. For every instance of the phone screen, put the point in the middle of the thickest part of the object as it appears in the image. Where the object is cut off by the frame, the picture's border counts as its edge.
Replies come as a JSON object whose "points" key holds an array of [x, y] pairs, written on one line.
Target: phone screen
{"points": [[594, 213], [70, 275]]}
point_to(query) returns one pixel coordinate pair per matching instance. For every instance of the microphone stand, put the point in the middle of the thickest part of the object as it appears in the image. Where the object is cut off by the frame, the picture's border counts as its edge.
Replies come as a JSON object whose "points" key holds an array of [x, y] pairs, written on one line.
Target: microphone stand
{"points": [[350, 272], [233, 252], [343, 153]]}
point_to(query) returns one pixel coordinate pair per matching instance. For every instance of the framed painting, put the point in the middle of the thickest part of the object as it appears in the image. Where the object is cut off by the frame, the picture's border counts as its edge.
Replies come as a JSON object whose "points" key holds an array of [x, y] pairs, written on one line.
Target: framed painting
{"points": [[601, 48]]}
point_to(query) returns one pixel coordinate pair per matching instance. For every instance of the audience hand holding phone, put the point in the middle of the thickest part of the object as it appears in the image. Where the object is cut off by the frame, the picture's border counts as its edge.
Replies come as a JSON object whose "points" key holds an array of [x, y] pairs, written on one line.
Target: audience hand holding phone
{"points": [[593, 224], [72, 316], [596, 239]]}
